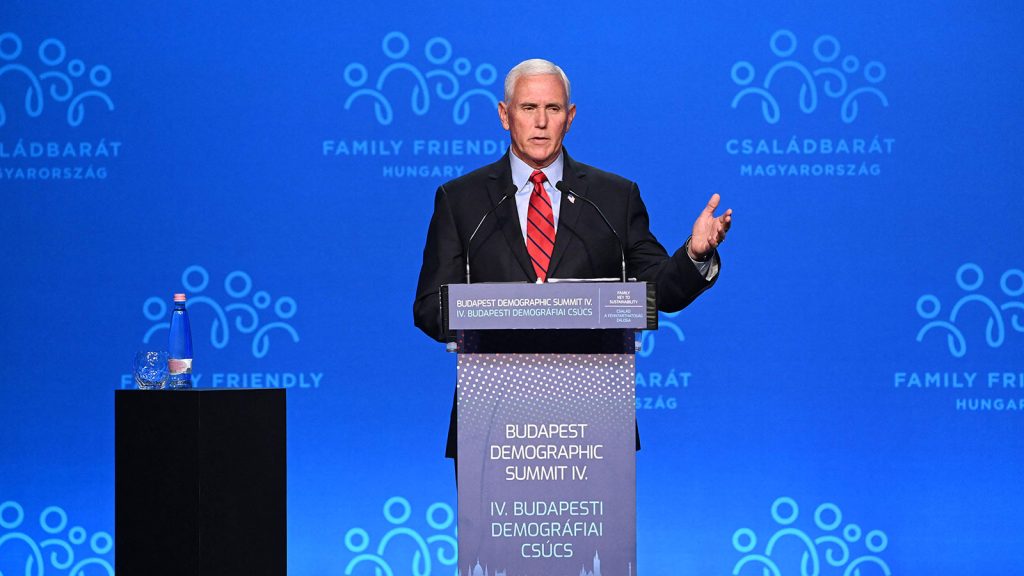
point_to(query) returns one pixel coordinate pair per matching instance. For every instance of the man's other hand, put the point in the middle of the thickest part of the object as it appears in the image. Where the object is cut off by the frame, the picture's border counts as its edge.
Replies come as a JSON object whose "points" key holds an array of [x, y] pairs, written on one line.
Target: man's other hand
{"points": [[709, 231]]}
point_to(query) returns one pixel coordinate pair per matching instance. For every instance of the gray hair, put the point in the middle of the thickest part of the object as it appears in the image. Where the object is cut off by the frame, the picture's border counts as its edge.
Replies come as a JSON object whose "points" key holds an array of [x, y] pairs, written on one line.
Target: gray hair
{"points": [[534, 67]]}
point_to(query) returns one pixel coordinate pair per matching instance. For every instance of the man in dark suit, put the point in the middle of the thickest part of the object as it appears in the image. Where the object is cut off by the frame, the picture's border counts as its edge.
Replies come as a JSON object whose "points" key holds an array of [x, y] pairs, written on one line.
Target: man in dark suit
{"points": [[541, 233]]}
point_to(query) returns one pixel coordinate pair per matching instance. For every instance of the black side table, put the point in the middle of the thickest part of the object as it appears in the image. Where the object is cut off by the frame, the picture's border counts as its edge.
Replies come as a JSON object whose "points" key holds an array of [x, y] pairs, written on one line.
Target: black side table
{"points": [[200, 483]]}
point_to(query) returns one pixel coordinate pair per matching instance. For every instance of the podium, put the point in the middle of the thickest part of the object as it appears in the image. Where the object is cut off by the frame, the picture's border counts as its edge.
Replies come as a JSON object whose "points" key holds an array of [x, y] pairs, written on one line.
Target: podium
{"points": [[547, 425], [200, 480]]}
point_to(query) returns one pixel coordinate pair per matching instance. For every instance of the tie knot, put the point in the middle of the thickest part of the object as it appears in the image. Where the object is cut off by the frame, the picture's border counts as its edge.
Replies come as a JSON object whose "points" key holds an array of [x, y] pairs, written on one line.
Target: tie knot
{"points": [[538, 177]]}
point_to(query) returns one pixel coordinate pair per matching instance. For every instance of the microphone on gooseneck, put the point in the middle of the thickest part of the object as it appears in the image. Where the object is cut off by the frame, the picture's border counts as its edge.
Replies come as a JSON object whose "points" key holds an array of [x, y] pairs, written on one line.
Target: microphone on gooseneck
{"points": [[622, 248], [508, 194]]}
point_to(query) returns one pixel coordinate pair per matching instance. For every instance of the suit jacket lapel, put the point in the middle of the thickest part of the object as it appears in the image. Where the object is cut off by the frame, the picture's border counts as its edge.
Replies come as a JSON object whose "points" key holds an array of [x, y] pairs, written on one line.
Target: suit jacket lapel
{"points": [[507, 214], [568, 212]]}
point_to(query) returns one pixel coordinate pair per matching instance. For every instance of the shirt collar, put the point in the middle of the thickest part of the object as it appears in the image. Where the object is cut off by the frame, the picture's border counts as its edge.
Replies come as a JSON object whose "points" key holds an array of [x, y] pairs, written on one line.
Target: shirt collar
{"points": [[521, 171]]}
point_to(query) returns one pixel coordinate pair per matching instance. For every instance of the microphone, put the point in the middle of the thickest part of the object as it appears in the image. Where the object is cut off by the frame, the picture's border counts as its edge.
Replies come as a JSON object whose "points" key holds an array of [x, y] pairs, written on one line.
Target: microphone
{"points": [[508, 194], [622, 249]]}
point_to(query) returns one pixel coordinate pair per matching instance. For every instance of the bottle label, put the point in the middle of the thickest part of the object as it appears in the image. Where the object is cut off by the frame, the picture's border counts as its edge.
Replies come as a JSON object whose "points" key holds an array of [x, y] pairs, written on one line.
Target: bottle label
{"points": [[179, 366]]}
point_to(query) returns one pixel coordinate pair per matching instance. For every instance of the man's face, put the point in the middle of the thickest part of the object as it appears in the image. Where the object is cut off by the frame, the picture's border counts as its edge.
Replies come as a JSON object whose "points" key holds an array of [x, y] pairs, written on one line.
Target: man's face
{"points": [[537, 117]]}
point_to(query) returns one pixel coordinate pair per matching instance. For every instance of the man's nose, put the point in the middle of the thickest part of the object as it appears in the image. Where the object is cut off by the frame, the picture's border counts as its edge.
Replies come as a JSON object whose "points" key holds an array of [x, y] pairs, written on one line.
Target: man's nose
{"points": [[542, 118]]}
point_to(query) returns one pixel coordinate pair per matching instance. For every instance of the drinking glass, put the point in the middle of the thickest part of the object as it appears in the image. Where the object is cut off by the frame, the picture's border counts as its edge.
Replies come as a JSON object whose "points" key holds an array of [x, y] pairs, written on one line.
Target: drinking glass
{"points": [[150, 369]]}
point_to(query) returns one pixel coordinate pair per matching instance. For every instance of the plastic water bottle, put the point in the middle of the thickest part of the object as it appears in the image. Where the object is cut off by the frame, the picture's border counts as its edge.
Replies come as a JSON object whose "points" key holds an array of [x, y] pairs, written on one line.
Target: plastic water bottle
{"points": [[179, 346]]}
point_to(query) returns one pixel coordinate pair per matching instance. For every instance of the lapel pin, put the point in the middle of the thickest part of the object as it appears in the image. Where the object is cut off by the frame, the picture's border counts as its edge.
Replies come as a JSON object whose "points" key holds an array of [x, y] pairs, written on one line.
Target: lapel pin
{"points": [[572, 199]]}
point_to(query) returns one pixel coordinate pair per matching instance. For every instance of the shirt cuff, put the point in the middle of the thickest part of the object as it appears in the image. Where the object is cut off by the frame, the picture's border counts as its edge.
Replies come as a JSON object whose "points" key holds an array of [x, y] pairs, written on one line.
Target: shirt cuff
{"points": [[708, 268]]}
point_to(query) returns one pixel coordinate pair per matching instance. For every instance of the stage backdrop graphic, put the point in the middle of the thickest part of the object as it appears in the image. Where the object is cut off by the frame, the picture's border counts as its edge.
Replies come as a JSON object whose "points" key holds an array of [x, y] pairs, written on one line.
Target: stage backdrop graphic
{"points": [[846, 400]]}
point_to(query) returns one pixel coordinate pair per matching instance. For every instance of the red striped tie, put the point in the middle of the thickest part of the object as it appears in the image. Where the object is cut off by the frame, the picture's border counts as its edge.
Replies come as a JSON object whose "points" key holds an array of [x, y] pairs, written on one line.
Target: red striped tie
{"points": [[540, 227]]}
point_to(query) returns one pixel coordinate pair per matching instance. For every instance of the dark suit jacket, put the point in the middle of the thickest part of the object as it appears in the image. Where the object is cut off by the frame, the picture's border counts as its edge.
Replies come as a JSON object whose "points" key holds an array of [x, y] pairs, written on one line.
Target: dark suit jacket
{"points": [[584, 247]]}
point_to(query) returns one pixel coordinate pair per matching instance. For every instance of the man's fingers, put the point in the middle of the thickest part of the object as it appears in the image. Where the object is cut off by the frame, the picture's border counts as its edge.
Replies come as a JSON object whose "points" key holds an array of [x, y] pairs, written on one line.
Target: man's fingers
{"points": [[712, 203], [713, 229]]}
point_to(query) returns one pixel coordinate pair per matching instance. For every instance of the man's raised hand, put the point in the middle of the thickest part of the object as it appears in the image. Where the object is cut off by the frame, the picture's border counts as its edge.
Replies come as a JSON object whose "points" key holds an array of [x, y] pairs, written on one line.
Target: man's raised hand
{"points": [[709, 231]]}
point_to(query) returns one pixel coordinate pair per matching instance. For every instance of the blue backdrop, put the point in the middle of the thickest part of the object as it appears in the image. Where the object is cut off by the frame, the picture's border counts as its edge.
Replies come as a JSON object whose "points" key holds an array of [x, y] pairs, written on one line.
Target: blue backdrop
{"points": [[846, 400]]}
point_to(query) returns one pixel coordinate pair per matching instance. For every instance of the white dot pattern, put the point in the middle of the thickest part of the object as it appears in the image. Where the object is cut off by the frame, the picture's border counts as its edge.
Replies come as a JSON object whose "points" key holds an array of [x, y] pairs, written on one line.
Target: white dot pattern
{"points": [[544, 388]]}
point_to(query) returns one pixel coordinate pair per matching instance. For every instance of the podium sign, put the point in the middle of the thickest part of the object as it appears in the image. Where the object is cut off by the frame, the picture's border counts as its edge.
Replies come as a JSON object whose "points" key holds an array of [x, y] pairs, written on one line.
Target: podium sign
{"points": [[546, 433], [596, 305]]}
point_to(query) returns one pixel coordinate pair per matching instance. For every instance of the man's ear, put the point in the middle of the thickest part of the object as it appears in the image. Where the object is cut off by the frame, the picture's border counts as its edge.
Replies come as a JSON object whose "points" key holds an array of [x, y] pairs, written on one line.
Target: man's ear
{"points": [[503, 115]]}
